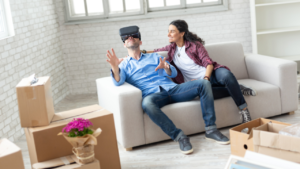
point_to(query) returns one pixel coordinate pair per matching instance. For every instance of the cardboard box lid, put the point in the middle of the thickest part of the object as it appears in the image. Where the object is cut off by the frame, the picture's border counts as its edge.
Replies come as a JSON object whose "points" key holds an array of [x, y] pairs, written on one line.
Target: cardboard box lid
{"points": [[25, 82], [7, 147], [268, 135], [252, 124], [67, 116], [67, 162]]}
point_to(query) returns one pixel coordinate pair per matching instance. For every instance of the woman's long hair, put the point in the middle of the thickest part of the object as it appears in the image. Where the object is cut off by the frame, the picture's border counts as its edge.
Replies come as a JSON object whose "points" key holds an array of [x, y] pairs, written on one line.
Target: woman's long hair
{"points": [[182, 26]]}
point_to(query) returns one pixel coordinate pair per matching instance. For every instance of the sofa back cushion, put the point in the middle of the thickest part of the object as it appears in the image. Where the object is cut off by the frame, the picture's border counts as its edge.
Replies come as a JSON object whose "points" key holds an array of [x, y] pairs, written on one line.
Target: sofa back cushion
{"points": [[230, 54]]}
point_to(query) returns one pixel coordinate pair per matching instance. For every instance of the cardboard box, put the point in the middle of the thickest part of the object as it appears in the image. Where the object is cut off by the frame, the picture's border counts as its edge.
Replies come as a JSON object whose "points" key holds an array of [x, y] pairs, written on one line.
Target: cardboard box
{"points": [[44, 143], [267, 141], [68, 162], [240, 142], [10, 155], [35, 102]]}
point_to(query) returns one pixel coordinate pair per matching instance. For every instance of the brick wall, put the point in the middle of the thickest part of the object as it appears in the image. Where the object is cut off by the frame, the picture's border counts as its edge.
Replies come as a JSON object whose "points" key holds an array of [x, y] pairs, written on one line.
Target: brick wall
{"points": [[36, 48], [75, 55], [85, 45]]}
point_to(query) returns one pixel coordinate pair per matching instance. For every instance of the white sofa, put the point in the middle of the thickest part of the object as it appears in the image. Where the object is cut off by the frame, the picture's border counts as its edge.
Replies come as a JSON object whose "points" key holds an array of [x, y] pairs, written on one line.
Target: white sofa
{"points": [[274, 79]]}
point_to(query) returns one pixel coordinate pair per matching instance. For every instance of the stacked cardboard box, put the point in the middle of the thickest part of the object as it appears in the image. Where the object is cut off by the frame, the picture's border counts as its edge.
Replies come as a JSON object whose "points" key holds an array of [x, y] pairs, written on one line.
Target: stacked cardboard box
{"points": [[10, 155], [35, 102], [44, 144], [41, 125], [267, 141], [68, 162], [240, 142]]}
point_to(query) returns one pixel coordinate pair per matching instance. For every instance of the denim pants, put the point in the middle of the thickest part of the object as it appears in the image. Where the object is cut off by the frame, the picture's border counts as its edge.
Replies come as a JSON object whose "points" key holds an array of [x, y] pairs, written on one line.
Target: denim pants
{"points": [[153, 103], [224, 84]]}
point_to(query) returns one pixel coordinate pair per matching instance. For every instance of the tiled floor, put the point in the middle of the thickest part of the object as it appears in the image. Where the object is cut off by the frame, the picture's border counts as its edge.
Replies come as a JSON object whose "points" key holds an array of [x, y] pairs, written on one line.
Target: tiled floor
{"points": [[162, 155]]}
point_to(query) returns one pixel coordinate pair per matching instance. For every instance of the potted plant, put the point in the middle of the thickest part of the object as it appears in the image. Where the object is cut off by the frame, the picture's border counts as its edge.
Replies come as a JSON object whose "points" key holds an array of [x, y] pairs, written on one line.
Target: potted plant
{"points": [[83, 138]]}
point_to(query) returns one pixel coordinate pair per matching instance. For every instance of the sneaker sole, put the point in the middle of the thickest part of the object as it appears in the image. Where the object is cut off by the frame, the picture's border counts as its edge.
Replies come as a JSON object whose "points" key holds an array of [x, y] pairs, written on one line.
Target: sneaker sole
{"points": [[255, 92], [219, 142], [187, 152]]}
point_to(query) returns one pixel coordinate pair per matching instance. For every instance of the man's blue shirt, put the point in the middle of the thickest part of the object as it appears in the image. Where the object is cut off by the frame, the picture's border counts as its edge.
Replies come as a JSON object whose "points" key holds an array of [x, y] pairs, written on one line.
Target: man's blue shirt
{"points": [[141, 74]]}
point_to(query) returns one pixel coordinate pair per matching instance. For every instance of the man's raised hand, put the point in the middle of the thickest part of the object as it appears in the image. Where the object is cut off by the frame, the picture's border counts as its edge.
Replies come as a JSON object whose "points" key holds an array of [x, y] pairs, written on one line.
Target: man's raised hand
{"points": [[112, 59], [162, 64]]}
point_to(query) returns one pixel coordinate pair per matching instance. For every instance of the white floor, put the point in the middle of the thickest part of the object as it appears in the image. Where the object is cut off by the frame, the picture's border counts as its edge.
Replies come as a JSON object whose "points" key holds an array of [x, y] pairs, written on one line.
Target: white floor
{"points": [[162, 155]]}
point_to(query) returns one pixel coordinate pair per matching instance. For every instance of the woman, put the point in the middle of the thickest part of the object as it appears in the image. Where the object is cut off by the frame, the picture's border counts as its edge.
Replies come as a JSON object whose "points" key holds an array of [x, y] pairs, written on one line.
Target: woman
{"points": [[187, 53]]}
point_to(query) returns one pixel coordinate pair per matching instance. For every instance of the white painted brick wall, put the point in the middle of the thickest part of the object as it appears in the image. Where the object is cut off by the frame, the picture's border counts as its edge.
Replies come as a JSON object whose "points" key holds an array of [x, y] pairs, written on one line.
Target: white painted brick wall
{"points": [[36, 48], [85, 45]]}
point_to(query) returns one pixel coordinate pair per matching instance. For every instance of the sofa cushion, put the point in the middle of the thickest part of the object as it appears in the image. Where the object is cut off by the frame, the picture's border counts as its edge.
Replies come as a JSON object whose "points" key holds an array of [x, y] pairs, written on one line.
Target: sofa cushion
{"points": [[230, 54], [188, 115]]}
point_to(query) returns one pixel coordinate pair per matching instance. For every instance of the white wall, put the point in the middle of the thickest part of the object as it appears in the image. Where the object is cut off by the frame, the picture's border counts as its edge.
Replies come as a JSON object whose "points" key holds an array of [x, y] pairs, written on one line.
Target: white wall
{"points": [[36, 48], [85, 45]]}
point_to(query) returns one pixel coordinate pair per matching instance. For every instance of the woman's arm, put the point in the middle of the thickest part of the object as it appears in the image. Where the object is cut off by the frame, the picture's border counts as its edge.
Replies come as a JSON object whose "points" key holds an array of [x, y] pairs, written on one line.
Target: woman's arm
{"points": [[208, 72], [166, 48]]}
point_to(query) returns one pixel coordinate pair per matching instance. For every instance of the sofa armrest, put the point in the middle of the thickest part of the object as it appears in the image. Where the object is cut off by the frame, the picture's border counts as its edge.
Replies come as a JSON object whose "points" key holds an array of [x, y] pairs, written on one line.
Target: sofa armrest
{"points": [[125, 102], [276, 71]]}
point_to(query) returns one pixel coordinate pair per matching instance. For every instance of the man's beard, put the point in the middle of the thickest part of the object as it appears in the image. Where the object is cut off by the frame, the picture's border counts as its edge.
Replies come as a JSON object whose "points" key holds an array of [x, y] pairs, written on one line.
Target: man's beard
{"points": [[134, 46]]}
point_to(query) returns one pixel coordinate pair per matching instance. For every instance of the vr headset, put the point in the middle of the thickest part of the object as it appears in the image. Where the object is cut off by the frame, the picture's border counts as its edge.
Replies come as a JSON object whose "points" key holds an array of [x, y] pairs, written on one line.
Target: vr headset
{"points": [[130, 31]]}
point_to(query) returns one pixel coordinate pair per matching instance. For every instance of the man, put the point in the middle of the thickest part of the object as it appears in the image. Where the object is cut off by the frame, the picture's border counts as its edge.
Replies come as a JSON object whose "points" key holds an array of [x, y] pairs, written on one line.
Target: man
{"points": [[149, 73]]}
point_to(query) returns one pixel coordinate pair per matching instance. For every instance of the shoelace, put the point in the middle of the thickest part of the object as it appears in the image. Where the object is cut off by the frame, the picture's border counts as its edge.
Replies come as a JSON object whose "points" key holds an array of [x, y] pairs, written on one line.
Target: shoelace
{"points": [[247, 91], [219, 134], [185, 142], [245, 115]]}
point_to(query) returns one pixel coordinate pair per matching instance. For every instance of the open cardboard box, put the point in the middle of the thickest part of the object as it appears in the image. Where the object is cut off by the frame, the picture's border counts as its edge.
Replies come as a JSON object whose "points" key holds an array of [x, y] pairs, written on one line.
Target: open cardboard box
{"points": [[44, 144], [240, 142], [35, 102], [10, 155], [268, 141], [68, 162]]}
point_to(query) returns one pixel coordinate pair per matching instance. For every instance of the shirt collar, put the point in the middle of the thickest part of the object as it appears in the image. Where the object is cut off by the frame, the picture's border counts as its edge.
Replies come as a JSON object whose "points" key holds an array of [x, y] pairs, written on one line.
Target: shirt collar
{"points": [[186, 44], [142, 54]]}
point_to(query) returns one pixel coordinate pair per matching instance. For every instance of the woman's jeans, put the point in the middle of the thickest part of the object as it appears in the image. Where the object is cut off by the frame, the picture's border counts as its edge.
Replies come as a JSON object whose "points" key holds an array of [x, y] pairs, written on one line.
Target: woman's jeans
{"points": [[224, 84], [153, 103]]}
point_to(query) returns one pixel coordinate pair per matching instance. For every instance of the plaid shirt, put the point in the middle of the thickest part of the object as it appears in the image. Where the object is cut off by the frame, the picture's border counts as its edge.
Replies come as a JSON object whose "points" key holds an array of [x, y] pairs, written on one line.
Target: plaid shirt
{"points": [[196, 51]]}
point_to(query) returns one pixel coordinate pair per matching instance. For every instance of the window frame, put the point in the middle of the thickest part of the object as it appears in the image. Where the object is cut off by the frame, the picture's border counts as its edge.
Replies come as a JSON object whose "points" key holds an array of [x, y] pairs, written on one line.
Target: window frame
{"points": [[7, 24], [146, 12]]}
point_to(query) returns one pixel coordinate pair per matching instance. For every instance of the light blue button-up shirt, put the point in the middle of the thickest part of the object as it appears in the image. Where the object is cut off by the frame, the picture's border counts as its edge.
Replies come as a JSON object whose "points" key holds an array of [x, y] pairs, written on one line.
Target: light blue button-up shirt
{"points": [[141, 74]]}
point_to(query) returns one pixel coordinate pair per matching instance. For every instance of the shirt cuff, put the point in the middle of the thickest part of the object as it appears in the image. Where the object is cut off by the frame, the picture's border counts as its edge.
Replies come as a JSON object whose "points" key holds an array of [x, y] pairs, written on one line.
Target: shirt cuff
{"points": [[113, 78]]}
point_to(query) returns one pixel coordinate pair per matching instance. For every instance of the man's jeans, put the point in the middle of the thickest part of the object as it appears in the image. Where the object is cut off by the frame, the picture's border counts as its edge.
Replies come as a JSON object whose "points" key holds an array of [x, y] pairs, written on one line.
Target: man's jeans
{"points": [[153, 103], [224, 84]]}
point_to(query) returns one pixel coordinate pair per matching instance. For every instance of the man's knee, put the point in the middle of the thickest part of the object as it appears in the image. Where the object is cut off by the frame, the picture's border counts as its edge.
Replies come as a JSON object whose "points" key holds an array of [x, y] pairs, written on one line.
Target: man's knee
{"points": [[147, 103]]}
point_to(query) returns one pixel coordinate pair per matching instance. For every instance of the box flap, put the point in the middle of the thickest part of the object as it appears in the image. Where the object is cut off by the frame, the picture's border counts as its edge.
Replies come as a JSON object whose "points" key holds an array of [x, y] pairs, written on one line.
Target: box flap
{"points": [[55, 162], [75, 112], [25, 82], [267, 136], [7, 147]]}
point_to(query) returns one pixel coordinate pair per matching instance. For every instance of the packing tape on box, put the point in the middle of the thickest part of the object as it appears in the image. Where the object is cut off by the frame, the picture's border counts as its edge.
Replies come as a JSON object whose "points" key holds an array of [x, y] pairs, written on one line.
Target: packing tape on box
{"points": [[77, 116], [65, 160]]}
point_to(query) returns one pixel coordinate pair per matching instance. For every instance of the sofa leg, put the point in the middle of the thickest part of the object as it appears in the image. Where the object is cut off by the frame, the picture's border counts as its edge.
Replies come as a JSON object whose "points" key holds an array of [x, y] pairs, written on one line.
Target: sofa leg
{"points": [[291, 113], [128, 149]]}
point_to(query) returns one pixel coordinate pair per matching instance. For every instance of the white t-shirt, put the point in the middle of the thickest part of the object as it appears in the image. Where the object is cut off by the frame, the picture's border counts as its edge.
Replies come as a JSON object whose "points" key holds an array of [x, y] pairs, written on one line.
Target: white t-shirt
{"points": [[187, 66]]}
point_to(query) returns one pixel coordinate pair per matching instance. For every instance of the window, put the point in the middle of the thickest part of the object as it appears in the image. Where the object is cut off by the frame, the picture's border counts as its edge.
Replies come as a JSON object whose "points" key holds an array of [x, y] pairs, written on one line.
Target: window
{"points": [[6, 26], [81, 11]]}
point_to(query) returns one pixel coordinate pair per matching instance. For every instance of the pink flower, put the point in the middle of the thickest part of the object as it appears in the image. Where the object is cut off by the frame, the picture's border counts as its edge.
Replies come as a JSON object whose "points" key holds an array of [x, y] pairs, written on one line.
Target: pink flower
{"points": [[77, 123]]}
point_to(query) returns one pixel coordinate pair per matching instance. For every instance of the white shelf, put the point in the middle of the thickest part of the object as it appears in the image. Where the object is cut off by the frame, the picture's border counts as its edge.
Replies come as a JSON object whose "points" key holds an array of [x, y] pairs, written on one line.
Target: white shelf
{"points": [[279, 30], [277, 3], [293, 58]]}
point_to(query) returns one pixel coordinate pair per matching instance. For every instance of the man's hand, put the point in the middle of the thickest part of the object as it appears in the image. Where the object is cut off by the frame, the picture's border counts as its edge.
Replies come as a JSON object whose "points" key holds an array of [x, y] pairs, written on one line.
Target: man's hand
{"points": [[114, 63], [162, 64], [113, 60]]}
